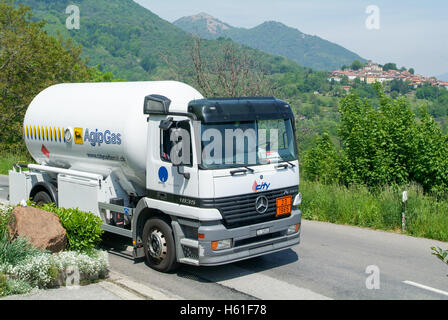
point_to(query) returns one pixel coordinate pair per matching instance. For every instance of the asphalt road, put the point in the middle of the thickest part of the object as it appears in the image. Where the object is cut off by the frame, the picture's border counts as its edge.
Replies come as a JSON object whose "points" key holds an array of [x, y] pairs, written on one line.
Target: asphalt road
{"points": [[330, 263]]}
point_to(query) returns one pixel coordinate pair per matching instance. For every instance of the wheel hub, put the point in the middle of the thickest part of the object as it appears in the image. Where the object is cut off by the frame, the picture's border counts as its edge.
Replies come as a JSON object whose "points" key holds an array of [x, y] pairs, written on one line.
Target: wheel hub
{"points": [[157, 245]]}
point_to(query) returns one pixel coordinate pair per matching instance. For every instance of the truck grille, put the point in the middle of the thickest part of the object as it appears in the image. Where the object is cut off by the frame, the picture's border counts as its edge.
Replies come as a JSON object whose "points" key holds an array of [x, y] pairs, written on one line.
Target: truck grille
{"points": [[238, 211]]}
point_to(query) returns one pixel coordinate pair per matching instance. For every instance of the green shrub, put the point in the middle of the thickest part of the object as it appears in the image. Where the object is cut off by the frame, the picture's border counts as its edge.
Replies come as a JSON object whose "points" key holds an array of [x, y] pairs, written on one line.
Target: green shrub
{"points": [[9, 286], [12, 251], [22, 267], [440, 253], [322, 161], [16, 286], [44, 270], [3, 285], [83, 229]]}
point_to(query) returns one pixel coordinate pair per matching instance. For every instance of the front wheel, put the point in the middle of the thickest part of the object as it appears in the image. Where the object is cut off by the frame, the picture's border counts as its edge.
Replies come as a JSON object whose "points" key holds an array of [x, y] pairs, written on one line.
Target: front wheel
{"points": [[158, 242]]}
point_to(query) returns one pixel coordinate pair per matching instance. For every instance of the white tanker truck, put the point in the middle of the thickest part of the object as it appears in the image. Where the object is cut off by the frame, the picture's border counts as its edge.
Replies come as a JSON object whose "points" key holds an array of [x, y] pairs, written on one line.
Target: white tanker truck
{"points": [[105, 148]]}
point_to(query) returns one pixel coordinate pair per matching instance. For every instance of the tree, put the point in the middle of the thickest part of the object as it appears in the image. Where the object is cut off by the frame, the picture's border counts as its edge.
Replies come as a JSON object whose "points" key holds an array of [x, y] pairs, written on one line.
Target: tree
{"points": [[356, 65], [399, 86], [322, 161], [389, 145], [394, 94], [429, 163], [376, 141], [428, 92], [228, 73], [411, 71], [30, 60], [344, 81], [390, 66], [149, 64]]}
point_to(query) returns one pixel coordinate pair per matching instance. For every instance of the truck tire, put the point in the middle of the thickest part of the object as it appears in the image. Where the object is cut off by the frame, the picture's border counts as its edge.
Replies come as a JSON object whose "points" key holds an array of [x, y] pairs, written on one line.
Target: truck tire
{"points": [[158, 242], [42, 198]]}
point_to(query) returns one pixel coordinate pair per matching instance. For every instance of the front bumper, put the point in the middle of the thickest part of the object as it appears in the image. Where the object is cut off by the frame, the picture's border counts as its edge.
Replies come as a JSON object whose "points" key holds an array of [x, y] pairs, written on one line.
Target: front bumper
{"points": [[246, 243]]}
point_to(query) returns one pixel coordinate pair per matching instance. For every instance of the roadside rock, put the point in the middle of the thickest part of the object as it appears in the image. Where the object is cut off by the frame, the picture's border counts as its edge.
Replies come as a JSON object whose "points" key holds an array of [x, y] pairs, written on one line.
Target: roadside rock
{"points": [[43, 229]]}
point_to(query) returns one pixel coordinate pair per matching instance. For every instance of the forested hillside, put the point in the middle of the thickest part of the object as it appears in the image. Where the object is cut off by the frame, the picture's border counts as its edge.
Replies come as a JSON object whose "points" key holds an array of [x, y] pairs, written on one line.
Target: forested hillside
{"points": [[132, 42], [276, 38]]}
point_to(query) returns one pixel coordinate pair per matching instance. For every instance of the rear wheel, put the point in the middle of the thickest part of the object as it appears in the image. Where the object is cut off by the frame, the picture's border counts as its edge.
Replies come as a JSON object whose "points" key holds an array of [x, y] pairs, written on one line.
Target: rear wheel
{"points": [[158, 242], [42, 198]]}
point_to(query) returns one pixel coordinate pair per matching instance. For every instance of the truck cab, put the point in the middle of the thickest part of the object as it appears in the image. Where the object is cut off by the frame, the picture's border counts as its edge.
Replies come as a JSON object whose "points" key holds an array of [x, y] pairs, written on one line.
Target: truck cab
{"points": [[235, 194]]}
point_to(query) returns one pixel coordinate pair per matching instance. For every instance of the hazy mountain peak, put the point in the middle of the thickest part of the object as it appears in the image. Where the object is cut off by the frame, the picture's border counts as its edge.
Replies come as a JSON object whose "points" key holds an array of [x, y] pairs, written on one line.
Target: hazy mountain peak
{"points": [[212, 24], [273, 23]]}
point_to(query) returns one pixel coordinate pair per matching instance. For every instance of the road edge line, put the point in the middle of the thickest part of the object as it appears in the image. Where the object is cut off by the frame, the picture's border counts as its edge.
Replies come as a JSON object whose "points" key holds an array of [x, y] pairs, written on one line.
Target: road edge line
{"points": [[422, 286]]}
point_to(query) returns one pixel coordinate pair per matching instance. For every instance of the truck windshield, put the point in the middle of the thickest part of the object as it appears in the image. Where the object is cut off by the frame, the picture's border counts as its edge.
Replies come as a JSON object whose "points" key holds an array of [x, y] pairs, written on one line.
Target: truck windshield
{"points": [[239, 144]]}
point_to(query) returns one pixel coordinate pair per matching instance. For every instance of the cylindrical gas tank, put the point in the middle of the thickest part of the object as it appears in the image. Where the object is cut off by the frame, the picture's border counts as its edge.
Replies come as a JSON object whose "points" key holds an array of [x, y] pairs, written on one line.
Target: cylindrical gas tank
{"points": [[97, 127]]}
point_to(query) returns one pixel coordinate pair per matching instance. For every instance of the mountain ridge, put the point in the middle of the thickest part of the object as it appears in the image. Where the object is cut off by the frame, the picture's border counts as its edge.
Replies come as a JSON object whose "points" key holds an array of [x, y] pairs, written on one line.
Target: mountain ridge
{"points": [[276, 38]]}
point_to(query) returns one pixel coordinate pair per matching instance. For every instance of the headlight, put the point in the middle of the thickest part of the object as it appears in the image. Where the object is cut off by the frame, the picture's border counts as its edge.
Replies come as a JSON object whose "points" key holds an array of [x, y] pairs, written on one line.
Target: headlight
{"points": [[222, 244], [293, 228], [297, 199]]}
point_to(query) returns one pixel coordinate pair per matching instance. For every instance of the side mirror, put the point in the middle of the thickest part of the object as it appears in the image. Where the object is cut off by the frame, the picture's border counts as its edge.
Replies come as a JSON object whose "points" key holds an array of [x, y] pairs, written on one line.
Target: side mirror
{"points": [[156, 104]]}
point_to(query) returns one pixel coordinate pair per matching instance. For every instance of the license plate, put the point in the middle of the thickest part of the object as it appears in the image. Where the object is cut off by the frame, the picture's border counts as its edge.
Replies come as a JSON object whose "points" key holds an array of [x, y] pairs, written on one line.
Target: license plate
{"points": [[284, 205], [261, 232]]}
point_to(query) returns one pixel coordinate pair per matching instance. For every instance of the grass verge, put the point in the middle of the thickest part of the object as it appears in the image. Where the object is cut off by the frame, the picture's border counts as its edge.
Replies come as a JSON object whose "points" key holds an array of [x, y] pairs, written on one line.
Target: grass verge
{"points": [[426, 216], [7, 160]]}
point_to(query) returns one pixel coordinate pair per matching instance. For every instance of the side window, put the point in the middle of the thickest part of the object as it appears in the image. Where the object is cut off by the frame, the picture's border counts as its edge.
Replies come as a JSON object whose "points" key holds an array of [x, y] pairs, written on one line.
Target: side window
{"points": [[167, 144]]}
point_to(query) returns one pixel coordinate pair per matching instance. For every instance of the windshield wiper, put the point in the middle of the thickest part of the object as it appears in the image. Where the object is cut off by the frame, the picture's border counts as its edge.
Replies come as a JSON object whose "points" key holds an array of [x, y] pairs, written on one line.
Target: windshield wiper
{"points": [[234, 172], [291, 164], [245, 170], [284, 165], [250, 169]]}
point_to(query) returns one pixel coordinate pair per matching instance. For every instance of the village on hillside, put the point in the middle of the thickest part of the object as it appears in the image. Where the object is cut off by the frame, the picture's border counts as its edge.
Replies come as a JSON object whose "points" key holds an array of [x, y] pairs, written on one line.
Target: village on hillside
{"points": [[373, 72]]}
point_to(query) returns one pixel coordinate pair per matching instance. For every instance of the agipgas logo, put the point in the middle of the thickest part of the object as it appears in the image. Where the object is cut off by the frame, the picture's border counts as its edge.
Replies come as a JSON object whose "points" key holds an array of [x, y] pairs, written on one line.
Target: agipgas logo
{"points": [[263, 186], [98, 137]]}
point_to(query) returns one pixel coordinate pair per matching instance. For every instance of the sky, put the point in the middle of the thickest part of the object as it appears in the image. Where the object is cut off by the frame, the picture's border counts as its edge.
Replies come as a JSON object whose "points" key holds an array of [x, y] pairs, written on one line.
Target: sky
{"points": [[410, 33]]}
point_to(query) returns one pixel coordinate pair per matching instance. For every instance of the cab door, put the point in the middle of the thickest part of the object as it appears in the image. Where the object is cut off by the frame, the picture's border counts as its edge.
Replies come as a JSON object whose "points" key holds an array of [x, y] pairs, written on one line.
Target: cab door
{"points": [[164, 180]]}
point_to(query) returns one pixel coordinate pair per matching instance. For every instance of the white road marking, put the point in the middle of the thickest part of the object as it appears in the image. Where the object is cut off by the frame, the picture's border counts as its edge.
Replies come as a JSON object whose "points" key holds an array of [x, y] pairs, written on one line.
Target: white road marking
{"points": [[259, 285], [421, 286]]}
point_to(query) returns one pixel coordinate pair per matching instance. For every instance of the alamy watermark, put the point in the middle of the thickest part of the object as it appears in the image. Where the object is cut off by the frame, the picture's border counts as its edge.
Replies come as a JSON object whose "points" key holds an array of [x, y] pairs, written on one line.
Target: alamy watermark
{"points": [[73, 277], [373, 280], [373, 19], [74, 19]]}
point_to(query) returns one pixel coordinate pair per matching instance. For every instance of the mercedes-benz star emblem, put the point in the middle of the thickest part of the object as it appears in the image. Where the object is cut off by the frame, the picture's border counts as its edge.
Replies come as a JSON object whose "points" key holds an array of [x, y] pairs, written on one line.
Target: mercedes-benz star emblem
{"points": [[261, 204]]}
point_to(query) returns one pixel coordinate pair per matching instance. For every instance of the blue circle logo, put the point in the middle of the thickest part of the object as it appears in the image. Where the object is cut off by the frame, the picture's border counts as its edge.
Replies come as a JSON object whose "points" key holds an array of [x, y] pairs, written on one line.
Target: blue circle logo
{"points": [[163, 174]]}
